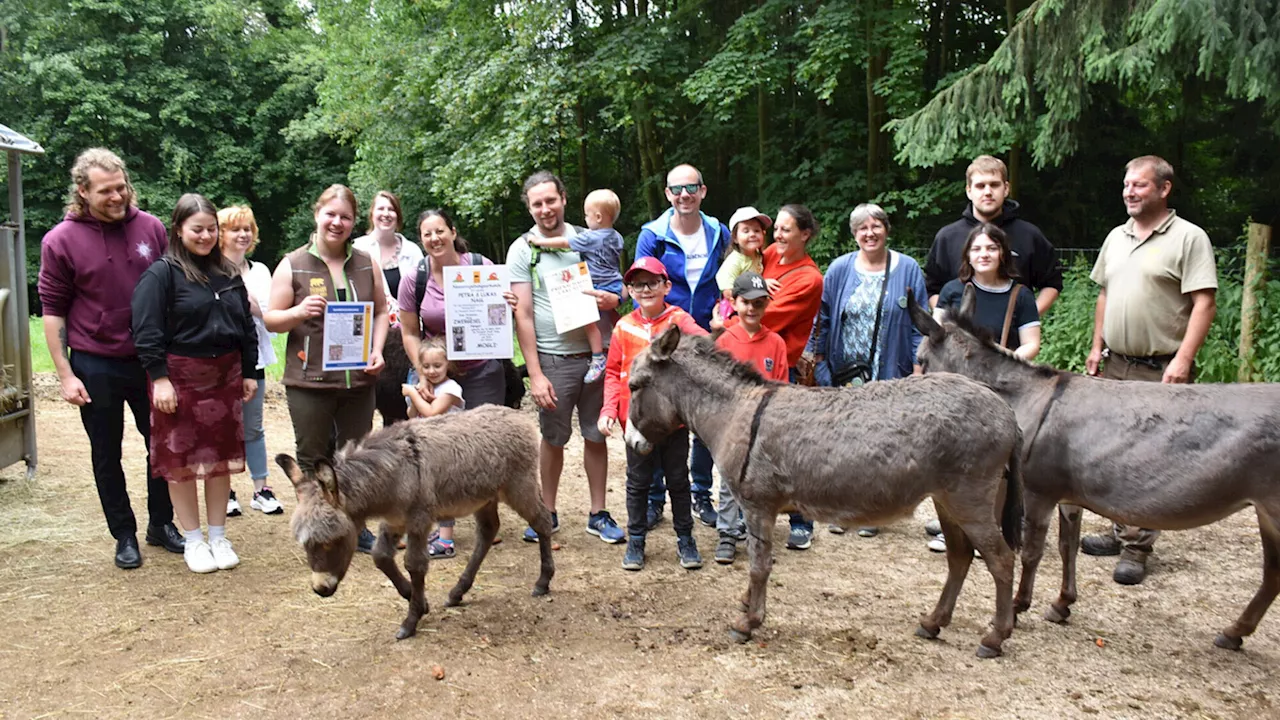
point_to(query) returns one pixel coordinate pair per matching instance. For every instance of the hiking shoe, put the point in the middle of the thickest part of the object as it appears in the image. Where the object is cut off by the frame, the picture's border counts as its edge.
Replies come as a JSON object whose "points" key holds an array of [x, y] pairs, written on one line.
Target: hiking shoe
{"points": [[654, 516], [233, 505], [223, 554], [704, 512], [265, 501], [441, 549], [364, 543], [932, 528], [531, 536], [199, 557], [633, 558], [726, 550], [836, 529], [800, 539], [595, 370], [869, 531], [1129, 572], [1101, 546], [938, 543], [687, 550], [601, 525]]}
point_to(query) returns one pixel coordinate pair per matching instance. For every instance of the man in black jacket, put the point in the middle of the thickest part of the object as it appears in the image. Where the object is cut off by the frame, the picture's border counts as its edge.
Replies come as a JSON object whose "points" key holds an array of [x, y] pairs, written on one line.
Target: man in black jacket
{"points": [[986, 182]]}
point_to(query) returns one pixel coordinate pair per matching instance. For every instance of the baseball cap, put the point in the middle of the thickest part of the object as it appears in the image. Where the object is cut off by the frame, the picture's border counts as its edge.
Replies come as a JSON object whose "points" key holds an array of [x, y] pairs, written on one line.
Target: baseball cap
{"points": [[748, 213], [749, 286], [647, 264]]}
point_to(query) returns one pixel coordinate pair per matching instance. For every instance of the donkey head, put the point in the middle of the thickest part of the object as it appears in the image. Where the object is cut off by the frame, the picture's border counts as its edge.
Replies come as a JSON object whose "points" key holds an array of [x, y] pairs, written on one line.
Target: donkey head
{"points": [[948, 346], [325, 531], [653, 415]]}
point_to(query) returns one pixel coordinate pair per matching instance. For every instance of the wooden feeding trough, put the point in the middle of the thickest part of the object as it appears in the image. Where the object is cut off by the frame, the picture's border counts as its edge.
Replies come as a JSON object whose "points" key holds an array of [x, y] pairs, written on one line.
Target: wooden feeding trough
{"points": [[17, 401]]}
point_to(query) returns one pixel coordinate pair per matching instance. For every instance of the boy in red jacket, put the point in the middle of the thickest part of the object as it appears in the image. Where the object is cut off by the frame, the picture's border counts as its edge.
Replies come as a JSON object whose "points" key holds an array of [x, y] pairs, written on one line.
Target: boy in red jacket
{"points": [[750, 342], [648, 283]]}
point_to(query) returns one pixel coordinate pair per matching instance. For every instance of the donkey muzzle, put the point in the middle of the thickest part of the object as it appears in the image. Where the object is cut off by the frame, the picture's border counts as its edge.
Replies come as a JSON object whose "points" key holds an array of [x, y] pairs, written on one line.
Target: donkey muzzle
{"points": [[324, 584], [635, 440]]}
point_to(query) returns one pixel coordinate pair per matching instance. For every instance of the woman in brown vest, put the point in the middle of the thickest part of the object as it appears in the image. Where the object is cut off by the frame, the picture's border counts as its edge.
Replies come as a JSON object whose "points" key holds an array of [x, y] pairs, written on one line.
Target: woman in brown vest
{"points": [[327, 408]]}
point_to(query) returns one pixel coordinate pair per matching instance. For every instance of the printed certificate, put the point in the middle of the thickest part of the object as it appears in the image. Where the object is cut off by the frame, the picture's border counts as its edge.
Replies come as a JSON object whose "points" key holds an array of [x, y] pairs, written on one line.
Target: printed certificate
{"points": [[567, 289], [348, 331], [478, 318]]}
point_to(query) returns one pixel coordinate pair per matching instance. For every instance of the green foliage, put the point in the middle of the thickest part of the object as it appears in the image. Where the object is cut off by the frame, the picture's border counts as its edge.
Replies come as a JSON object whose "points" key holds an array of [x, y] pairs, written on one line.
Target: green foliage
{"points": [[1066, 331]]}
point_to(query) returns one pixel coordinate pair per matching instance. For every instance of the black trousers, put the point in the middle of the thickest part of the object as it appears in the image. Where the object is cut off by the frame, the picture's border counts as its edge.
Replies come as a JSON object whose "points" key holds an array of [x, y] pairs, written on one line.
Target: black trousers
{"points": [[112, 382], [672, 456]]}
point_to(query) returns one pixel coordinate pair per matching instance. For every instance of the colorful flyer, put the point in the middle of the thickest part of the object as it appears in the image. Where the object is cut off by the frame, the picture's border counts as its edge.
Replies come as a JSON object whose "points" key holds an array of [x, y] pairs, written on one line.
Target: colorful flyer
{"points": [[571, 305], [476, 314], [348, 331]]}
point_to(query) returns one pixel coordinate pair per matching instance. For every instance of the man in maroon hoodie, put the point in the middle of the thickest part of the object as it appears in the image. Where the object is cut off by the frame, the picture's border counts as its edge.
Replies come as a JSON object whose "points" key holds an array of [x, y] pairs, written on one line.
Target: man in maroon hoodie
{"points": [[89, 265]]}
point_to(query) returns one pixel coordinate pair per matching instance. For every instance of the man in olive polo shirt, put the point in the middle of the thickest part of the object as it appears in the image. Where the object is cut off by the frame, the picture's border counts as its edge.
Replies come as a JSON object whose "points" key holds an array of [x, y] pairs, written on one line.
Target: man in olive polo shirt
{"points": [[1154, 310]]}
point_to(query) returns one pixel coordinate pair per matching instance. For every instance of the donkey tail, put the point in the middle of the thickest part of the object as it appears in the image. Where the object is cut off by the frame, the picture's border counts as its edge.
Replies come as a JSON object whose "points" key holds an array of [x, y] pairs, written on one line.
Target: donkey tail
{"points": [[1011, 515]]}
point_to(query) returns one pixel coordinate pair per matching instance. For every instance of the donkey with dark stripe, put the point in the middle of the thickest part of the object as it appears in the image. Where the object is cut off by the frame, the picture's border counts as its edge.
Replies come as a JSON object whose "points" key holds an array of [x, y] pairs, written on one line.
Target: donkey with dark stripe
{"points": [[411, 475], [1166, 457], [849, 456]]}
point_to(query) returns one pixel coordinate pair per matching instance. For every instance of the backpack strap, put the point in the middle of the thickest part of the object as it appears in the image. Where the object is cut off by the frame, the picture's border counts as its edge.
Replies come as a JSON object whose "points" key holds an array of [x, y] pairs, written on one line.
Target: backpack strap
{"points": [[419, 291], [1008, 314]]}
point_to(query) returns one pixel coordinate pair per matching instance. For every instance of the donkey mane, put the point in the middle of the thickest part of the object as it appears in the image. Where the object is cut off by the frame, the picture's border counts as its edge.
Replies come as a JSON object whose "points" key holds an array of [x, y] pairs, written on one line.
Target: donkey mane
{"points": [[987, 339], [379, 453], [705, 349]]}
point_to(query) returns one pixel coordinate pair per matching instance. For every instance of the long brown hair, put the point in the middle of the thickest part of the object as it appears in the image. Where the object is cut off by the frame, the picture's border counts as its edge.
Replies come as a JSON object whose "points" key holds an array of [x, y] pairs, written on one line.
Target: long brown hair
{"points": [[194, 266], [102, 159], [1008, 270]]}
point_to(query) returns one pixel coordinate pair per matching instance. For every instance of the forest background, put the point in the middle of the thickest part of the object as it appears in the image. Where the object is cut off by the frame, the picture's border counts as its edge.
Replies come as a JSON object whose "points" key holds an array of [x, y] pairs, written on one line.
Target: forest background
{"points": [[451, 103]]}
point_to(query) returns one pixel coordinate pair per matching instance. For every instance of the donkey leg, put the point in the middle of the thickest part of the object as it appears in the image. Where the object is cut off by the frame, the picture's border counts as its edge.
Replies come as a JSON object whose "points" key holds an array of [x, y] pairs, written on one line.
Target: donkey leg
{"points": [[384, 558], [760, 558], [1233, 637], [1038, 511], [1069, 519], [959, 558], [999, 558], [416, 561], [528, 504], [486, 531]]}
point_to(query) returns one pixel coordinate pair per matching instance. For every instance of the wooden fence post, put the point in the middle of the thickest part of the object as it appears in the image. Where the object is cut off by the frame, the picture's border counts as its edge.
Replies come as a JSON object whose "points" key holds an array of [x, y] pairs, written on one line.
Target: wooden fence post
{"points": [[1255, 275]]}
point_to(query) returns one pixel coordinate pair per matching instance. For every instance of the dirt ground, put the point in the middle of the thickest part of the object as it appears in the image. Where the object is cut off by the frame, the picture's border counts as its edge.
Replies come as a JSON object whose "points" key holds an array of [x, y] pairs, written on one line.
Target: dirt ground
{"points": [[85, 639]]}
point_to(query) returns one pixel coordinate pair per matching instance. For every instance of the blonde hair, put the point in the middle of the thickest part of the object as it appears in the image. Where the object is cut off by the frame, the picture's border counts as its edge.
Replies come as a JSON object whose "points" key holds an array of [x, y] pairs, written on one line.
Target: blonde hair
{"points": [[235, 216], [102, 159], [986, 164], [606, 201], [433, 344]]}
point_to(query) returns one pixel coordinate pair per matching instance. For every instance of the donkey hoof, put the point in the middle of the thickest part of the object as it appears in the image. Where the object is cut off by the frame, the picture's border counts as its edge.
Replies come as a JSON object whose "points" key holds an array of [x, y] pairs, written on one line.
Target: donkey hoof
{"points": [[453, 600], [1056, 616], [406, 632], [539, 591], [1226, 642], [738, 636], [926, 633], [986, 653]]}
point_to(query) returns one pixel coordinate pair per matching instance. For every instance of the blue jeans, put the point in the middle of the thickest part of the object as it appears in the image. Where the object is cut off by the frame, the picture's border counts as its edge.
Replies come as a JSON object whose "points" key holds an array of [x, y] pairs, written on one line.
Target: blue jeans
{"points": [[700, 465], [255, 439]]}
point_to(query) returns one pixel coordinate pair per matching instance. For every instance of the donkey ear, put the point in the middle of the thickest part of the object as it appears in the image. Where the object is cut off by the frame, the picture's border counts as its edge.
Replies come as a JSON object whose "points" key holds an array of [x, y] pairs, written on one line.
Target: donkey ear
{"points": [[291, 470], [923, 321], [328, 481], [666, 344], [969, 303]]}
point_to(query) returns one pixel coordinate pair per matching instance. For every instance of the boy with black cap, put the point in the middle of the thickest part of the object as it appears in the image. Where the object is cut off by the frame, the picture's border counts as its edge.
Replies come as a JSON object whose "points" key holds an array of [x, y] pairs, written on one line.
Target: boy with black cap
{"points": [[750, 342]]}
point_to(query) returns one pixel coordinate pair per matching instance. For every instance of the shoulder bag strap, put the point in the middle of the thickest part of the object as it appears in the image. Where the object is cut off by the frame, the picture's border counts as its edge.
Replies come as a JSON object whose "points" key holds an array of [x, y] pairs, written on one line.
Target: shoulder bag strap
{"points": [[875, 329], [420, 291], [1008, 314]]}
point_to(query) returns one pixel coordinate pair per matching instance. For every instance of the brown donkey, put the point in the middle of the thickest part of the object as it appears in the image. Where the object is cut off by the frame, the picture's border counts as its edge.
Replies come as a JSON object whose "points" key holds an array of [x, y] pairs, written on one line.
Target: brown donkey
{"points": [[1167, 457], [854, 457], [411, 475]]}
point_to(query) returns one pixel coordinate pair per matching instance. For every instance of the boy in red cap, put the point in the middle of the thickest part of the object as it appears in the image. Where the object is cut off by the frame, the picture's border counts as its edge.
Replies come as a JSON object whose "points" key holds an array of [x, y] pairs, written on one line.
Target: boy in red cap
{"points": [[648, 283], [750, 342]]}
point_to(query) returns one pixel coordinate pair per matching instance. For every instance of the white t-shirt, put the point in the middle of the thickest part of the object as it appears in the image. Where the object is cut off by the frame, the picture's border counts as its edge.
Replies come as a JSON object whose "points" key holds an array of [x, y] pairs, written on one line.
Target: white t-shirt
{"points": [[448, 387], [695, 254], [544, 323]]}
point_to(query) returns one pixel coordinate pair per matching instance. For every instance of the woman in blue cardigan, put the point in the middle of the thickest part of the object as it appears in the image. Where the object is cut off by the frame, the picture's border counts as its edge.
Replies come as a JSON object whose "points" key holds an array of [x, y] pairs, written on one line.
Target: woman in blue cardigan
{"points": [[862, 332]]}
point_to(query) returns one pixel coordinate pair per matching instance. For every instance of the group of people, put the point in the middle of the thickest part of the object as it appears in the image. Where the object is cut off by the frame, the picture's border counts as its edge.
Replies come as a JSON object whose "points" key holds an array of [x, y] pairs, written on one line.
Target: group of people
{"points": [[177, 324]]}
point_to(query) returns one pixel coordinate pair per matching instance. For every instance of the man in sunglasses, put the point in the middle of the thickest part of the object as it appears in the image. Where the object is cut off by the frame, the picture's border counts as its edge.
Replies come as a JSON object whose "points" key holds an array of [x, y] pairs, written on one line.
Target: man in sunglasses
{"points": [[690, 244]]}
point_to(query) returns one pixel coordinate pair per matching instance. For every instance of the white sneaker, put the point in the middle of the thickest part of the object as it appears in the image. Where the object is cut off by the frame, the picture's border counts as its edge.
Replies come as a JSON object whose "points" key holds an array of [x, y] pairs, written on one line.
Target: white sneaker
{"points": [[266, 501], [199, 557], [233, 505], [223, 555], [938, 543]]}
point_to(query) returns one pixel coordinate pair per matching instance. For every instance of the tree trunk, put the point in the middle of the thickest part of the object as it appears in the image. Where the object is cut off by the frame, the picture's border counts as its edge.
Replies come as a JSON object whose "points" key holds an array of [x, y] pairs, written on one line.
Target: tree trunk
{"points": [[876, 61], [1255, 278], [582, 148], [762, 139], [1015, 152]]}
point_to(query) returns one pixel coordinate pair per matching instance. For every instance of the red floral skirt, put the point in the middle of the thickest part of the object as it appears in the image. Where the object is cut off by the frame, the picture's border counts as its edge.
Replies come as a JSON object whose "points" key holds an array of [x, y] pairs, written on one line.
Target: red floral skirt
{"points": [[204, 437]]}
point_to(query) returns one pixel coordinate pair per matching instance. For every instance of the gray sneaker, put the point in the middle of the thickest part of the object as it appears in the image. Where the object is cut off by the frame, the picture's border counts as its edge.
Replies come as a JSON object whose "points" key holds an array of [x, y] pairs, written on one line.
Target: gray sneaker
{"points": [[727, 550], [633, 558], [800, 538], [687, 549], [933, 528]]}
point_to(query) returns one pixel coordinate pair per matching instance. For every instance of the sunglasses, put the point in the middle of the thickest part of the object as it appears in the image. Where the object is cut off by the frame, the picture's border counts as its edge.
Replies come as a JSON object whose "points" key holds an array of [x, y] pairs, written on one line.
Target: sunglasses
{"points": [[690, 188]]}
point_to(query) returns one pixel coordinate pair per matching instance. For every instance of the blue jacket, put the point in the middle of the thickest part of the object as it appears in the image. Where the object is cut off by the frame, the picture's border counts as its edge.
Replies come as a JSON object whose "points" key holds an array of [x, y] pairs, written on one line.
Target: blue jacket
{"points": [[658, 240], [899, 338]]}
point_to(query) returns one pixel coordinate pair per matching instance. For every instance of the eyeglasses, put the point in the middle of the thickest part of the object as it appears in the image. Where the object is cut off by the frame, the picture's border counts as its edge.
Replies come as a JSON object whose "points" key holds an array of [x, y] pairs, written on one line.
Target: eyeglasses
{"points": [[645, 286], [690, 188]]}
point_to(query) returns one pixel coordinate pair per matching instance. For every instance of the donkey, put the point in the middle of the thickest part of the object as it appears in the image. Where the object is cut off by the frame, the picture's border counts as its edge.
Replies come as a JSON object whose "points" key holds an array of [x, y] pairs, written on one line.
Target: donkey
{"points": [[1167, 457], [412, 474], [854, 457]]}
